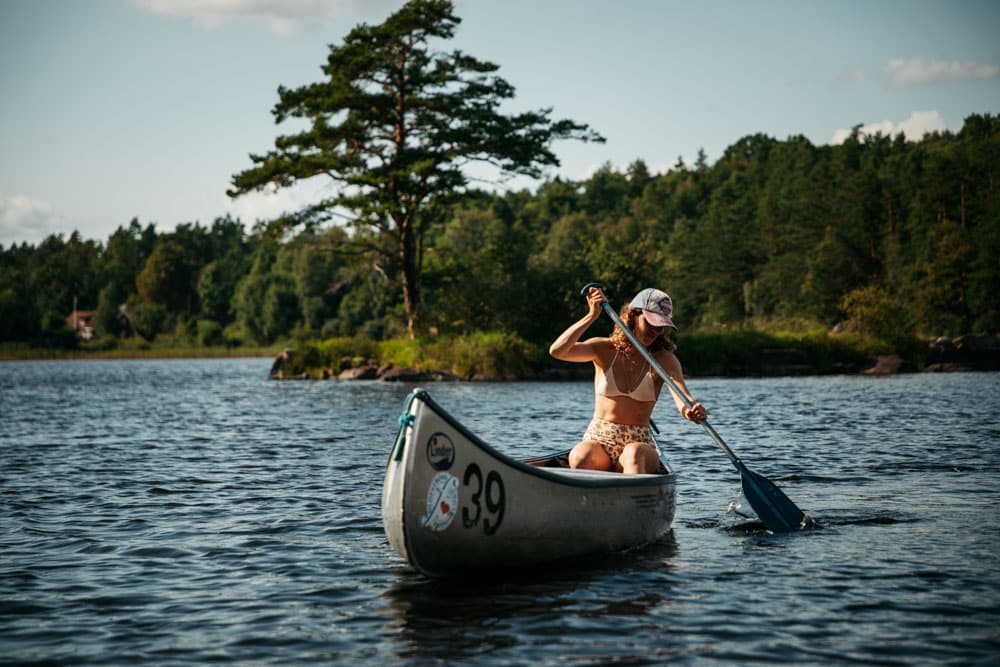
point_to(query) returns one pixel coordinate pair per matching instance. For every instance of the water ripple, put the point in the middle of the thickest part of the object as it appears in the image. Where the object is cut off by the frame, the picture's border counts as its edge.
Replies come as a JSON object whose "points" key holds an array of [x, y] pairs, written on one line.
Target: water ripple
{"points": [[184, 512]]}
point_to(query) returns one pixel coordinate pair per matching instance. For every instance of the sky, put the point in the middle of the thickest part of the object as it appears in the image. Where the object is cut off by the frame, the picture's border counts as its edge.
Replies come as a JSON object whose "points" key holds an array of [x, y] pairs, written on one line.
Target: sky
{"points": [[118, 109]]}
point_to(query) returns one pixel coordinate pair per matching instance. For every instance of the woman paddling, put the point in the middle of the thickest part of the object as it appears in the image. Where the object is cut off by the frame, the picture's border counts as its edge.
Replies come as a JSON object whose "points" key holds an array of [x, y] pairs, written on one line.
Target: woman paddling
{"points": [[625, 386]]}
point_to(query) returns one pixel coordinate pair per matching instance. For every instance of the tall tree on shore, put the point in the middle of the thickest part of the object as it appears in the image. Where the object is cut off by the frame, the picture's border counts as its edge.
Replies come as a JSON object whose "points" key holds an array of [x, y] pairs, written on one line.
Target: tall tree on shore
{"points": [[393, 125]]}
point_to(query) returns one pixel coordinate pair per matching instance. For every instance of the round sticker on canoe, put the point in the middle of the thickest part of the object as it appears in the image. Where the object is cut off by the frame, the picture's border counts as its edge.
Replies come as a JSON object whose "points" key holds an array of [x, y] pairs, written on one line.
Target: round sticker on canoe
{"points": [[442, 502], [440, 451]]}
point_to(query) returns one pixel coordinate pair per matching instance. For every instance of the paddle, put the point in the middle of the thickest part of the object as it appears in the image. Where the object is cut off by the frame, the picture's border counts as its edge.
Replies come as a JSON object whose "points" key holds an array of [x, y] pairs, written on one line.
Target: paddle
{"points": [[772, 506]]}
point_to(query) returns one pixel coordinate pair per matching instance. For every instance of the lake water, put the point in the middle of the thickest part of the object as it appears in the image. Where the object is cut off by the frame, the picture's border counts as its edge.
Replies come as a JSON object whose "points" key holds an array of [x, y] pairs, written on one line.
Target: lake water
{"points": [[186, 512]]}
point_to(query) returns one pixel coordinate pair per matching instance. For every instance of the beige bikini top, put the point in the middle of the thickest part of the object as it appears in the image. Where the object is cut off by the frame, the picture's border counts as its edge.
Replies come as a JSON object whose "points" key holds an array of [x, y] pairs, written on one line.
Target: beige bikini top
{"points": [[605, 385]]}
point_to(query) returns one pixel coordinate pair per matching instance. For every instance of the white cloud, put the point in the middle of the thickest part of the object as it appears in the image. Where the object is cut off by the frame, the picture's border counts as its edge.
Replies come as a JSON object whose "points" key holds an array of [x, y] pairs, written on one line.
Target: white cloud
{"points": [[283, 17], [26, 220], [272, 203], [913, 128], [915, 71]]}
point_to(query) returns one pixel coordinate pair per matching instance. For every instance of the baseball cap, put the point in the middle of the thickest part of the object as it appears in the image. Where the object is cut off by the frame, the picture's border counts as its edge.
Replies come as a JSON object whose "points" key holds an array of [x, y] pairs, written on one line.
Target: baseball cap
{"points": [[656, 306]]}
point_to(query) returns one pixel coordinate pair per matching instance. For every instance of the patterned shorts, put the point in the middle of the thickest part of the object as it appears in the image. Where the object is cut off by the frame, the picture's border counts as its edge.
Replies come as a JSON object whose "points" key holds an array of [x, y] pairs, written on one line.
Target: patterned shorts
{"points": [[613, 437]]}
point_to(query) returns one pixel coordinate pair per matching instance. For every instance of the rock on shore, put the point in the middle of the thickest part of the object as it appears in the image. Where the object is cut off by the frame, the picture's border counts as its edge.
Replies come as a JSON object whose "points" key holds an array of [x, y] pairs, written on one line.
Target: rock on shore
{"points": [[965, 353]]}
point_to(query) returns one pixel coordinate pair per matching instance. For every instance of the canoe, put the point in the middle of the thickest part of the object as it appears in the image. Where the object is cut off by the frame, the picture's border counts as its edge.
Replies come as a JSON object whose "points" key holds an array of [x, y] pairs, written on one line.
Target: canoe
{"points": [[452, 503]]}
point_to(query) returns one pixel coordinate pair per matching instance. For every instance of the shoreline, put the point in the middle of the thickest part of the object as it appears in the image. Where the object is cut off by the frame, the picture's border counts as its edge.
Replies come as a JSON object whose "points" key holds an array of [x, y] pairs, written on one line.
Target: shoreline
{"points": [[705, 355], [23, 352], [886, 365]]}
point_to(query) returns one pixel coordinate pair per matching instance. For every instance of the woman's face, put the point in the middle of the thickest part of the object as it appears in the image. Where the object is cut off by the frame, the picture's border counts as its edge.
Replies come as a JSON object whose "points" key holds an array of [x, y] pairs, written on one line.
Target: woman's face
{"points": [[646, 332]]}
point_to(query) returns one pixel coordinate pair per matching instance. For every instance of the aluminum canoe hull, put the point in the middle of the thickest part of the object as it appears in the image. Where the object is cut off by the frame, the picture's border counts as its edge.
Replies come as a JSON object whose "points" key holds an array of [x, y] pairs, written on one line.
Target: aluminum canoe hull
{"points": [[451, 503]]}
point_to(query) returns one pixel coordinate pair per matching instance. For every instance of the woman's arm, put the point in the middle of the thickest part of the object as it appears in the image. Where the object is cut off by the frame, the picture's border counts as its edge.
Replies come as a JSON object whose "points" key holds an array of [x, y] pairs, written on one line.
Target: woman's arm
{"points": [[567, 347], [672, 365]]}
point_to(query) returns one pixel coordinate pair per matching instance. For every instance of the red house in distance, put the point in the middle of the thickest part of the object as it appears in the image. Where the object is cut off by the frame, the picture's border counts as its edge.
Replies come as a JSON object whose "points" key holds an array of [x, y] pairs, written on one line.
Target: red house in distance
{"points": [[82, 322]]}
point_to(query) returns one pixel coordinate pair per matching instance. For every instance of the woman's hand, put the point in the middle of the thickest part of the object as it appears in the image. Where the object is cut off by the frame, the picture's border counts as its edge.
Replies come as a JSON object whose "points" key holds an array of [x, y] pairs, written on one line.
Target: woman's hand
{"points": [[595, 297], [696, 413], [567, 347]]}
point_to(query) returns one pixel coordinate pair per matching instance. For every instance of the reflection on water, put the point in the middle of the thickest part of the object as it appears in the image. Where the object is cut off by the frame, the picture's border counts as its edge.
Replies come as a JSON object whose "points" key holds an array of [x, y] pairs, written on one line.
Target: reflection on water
{"points": [[474, 616]]}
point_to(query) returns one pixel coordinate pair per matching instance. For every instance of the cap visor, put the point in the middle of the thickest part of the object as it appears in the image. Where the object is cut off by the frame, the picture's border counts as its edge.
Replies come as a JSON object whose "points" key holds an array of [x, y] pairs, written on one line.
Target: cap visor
{"points": [[658, 320]]}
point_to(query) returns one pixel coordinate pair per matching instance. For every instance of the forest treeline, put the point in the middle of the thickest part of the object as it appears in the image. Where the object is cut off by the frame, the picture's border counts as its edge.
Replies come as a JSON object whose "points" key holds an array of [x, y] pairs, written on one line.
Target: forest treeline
{"points": [[890, 238]]}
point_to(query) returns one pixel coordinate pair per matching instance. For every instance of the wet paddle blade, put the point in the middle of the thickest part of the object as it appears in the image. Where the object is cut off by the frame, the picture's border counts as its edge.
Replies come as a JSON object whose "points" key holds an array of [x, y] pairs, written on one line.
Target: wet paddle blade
{"points": [[772, 506]]}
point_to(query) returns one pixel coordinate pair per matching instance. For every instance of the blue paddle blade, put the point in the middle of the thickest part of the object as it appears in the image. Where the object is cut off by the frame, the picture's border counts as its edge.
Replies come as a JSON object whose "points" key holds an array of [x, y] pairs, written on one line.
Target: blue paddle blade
{"points": [[773, 508]]}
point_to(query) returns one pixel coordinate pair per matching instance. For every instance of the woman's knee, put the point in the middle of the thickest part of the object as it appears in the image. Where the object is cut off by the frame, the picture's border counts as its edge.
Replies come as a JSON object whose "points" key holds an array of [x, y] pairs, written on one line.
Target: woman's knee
{"points": [[639, 457], [589, 455]]}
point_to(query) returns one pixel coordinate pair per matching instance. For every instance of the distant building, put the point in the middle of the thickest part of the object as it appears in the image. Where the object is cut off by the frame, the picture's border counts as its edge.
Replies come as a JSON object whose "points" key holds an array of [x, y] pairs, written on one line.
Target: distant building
{"points": [[82, 322]]}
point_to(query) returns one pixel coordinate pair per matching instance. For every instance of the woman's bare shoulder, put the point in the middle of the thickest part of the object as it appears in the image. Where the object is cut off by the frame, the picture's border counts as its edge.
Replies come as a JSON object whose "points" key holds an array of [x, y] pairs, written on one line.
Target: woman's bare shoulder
{"points": [[604, 350], [666, 357], [601, 348]]}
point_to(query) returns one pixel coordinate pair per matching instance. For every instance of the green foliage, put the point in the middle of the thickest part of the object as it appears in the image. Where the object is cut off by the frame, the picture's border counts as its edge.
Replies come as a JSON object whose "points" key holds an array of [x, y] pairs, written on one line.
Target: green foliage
{"points": [[490, 355], [875, 312], [124, 256], [150, 319], [251, 291], [109, 301], [55, 333], [881, 239], [165, 279], [393, 125], [280, 308], [942, 289], [487, 355], [215, 290], [209, 333], [64, 270], [18, 313], [329, 355], [401, 353], [756, 353], [235, 335]]}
